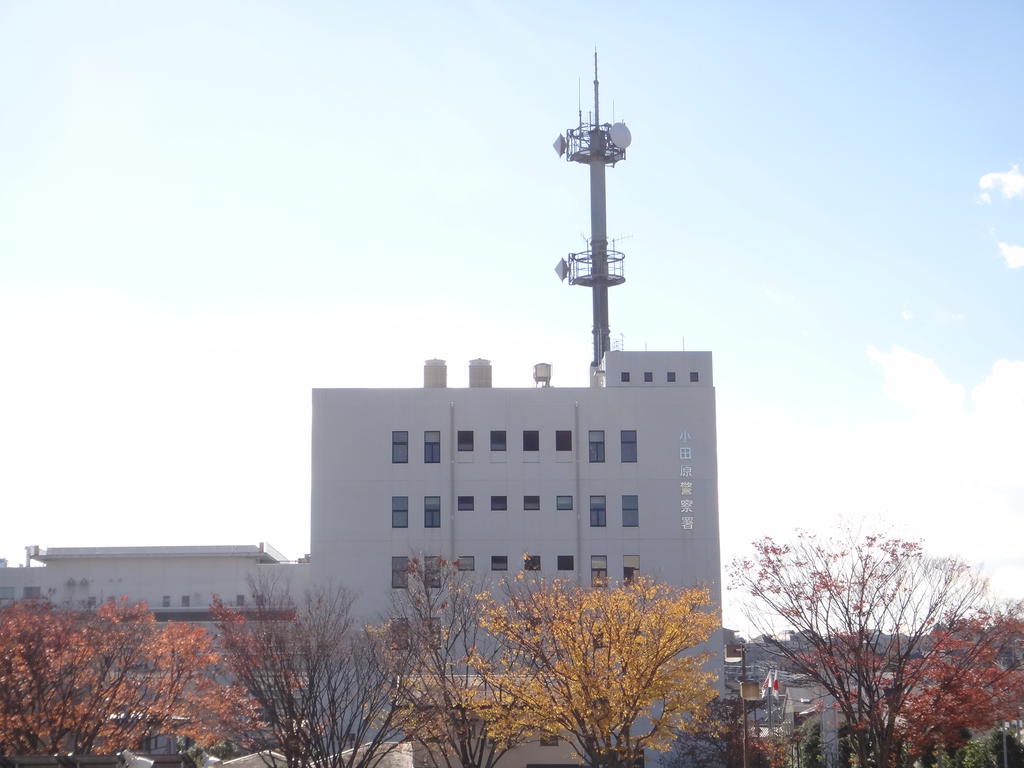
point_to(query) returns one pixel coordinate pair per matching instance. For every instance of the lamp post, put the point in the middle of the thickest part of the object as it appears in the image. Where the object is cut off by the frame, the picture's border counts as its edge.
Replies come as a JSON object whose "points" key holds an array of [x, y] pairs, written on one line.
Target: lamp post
{"points": [[748, 691]]}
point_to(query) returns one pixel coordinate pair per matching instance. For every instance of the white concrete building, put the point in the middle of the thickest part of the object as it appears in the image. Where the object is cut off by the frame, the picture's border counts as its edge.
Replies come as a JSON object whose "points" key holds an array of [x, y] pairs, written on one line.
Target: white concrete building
{"points": [[584, 483], [176, 582]]}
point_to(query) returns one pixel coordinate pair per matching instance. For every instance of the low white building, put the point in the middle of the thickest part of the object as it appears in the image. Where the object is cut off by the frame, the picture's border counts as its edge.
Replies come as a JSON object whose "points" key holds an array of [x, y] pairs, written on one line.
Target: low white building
{"points": [[176, 582]]}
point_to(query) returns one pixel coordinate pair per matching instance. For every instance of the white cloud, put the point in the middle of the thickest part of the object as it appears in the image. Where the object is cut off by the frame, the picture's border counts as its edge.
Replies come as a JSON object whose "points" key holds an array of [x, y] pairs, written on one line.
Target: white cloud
{"points": [[916, 382], [1014, 255], [1010, 183], [945, 470], [985, 198]]}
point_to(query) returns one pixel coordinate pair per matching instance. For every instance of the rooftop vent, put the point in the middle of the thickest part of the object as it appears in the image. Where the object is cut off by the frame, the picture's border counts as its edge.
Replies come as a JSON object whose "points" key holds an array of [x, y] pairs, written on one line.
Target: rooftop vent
{"points": [[435, 374], [480, 373]]}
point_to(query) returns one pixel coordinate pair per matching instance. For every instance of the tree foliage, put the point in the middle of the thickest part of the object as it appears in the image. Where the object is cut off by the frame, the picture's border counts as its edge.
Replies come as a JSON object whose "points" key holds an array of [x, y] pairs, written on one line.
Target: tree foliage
{"points": [[439, 616], [328, 688], [87, 681], [970, 679], [883, 628], [717, 742], [612, 669]]}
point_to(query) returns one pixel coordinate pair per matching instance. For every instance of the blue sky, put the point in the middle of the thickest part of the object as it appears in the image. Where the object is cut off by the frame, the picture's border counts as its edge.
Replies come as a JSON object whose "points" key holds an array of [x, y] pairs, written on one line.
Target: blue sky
{"points": [[208, 209]]}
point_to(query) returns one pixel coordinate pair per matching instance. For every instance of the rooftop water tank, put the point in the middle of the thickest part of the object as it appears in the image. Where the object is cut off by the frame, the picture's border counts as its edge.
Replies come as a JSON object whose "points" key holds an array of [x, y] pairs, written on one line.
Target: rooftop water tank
{"points": [[480, 373], [435, 374], [542, 374]]}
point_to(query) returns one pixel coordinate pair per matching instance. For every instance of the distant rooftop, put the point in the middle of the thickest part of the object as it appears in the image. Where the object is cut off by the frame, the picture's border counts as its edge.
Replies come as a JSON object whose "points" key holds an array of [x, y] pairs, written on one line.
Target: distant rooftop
{"points": [[262, 552]]}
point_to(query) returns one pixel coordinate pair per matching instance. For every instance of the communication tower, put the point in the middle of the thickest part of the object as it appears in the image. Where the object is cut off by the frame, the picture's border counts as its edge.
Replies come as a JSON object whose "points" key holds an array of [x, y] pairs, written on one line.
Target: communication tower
{"points": [[596, 145]]}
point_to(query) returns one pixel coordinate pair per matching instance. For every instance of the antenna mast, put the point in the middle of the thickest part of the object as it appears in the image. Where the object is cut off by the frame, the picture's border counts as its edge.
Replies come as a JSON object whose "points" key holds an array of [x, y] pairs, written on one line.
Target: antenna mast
{"points": [[596, 145]]}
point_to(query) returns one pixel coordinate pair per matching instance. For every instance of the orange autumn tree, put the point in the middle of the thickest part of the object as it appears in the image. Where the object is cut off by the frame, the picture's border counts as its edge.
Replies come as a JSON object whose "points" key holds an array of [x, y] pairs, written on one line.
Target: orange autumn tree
{"points": [[612, 670], [105, 680]]}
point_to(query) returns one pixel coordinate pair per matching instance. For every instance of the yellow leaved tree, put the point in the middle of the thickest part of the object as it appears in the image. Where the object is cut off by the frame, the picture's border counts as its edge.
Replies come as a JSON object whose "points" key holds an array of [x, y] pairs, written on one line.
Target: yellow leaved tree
{"points": [[613, 670]]}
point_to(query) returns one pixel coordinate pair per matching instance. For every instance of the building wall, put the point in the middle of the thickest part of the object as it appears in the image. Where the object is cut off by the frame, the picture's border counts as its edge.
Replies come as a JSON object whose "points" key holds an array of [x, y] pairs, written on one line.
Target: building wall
{"points": [[92, 576], [674, 476]]}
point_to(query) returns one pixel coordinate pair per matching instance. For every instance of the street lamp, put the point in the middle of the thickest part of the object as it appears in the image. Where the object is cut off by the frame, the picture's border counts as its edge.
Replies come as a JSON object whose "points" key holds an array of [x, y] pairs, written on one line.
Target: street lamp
{"points": [[748, 691]]}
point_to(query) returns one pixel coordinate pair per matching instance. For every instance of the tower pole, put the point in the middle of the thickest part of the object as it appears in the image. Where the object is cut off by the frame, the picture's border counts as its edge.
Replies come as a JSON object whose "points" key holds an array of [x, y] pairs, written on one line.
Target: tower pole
{"points": [[599, 267], [599, 231]]}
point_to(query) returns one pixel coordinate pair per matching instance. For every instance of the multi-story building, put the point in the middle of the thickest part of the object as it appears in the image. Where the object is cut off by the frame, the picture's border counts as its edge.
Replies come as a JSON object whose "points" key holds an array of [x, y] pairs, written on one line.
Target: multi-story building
{"points": [[584, 483]]}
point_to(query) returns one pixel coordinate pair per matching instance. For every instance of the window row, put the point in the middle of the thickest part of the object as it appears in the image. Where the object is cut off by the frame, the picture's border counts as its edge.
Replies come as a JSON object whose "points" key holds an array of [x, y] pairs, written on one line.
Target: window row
{"points": [[186, 601], [432, 575], [670, 377], [630, 508], [465, 441]]}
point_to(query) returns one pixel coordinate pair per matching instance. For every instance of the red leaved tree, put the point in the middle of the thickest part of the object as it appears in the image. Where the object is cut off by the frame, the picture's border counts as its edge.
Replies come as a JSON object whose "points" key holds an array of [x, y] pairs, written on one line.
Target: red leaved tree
{"points": [[105, 680], [880, 626], [971, 679]]}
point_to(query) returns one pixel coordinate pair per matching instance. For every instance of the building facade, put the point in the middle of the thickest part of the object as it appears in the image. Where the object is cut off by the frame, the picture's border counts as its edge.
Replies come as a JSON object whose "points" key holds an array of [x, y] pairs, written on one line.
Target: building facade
{"points": [[591, 484]]}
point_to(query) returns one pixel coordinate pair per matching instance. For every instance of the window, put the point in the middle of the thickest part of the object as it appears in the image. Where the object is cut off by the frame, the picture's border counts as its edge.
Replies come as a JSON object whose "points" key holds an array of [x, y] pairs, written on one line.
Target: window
{"points": [[597, 512], [399, 572], [648, 376], [624, 376], [547, 740], [431, 511], [432, 447], [630, 567], [531, 440], [563, 502], [597, 446], [598, 570], [627, 446], [432, 572], [630, 511], [399, 447], [670, 376], [694, 376], [239, 601], [499, 503], [531, 562], [531, 502], [399, 511], [466, 562], [185, 601], [563, 440], [566, 563], [465, 440], [166, 601], [465, 504], [499, 562], [497, 439]]}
